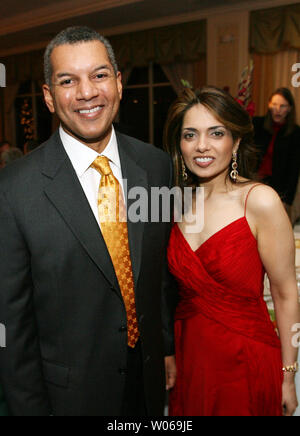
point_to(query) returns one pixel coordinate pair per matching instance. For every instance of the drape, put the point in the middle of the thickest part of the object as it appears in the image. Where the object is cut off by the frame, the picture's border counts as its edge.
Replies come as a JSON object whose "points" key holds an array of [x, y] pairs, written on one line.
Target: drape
{"points": [[180, 43], [19, 69], [193, 72], [23, 67], [272, 30], [10, 94], [272, 72]]}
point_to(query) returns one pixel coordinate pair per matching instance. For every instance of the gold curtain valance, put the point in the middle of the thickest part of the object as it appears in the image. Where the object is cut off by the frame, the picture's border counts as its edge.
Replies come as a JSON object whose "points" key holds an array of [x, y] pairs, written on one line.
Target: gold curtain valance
{"points": [[180, 43], [275, 29]]}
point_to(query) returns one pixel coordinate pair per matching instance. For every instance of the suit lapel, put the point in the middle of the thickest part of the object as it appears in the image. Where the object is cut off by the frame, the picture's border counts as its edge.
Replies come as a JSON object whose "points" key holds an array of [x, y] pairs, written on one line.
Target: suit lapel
{"points": [[64, 191], [135, 176]]}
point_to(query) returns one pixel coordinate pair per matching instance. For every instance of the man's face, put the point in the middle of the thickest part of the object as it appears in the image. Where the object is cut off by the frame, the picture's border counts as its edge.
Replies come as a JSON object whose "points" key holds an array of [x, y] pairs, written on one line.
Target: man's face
{"points": [[85, 92]]}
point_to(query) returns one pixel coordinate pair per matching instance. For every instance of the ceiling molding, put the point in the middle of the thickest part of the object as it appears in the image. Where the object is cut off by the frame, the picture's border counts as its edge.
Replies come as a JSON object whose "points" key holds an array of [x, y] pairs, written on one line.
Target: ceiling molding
{"points": [[57, 12], [243, 6], [159, 22]]}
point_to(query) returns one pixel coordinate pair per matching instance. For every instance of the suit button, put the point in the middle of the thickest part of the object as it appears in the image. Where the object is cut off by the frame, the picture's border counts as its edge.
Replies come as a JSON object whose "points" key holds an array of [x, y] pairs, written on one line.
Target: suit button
{"points": [[123, 329], [148, 358], [123, 371], [141, 319]]}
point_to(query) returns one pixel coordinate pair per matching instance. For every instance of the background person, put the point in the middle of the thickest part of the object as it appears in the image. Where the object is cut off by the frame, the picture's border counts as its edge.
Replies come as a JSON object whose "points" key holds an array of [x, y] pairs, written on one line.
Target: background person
{"points": [[9, 156], [278, 137], [4, 146]]}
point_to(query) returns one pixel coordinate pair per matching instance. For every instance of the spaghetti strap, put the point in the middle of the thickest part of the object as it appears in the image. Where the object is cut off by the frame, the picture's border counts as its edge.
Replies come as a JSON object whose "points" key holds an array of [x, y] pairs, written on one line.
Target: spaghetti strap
{"points": [[252, 187]]}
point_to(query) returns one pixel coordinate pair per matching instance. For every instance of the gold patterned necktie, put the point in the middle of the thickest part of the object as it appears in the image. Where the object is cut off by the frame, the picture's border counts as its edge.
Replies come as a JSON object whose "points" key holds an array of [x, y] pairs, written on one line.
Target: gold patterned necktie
{"points": [[112, 215]]}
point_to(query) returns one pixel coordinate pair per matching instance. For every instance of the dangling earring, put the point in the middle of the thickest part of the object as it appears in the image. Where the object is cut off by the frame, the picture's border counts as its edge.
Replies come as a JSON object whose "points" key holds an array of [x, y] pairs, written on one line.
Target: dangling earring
{"points": [[234, 173], [184, 173]]}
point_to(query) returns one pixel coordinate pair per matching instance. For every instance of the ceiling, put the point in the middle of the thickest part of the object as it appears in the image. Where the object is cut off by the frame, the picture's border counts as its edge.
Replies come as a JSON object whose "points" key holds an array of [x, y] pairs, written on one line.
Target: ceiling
{"points": [[31, 24]]}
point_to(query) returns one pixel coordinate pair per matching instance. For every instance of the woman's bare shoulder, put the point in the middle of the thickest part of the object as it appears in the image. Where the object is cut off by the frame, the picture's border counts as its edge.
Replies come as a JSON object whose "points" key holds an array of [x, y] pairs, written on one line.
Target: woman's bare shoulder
{"points": [[263, 201]]}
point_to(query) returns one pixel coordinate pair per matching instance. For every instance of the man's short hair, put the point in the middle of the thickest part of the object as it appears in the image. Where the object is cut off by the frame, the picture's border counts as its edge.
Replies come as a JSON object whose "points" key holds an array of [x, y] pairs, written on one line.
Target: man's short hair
{"points": [[76, 35]]}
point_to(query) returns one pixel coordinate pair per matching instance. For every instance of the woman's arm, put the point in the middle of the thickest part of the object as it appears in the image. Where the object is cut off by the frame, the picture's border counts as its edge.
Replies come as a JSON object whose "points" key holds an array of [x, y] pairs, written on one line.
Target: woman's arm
{"points": [[276, 246]]}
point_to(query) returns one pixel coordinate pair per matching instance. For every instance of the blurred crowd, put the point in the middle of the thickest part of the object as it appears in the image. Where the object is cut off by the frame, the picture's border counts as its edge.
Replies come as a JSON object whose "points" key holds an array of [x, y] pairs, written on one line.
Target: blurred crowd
{"points": [[9, 154]]}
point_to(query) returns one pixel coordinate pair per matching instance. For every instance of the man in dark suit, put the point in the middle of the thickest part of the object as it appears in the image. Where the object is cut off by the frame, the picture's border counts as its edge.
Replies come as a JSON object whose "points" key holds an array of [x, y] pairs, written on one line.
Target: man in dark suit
{"points": [[67, 348]]}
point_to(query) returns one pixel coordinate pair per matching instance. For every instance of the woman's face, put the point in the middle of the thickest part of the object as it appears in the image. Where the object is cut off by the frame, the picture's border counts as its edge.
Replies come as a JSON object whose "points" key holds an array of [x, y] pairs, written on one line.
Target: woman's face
{"points": [[206, 144], [280, 108]]}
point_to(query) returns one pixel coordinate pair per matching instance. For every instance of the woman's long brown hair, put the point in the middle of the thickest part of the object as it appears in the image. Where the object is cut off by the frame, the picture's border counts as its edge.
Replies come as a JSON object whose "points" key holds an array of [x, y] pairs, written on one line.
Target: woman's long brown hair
{"points": [[226, 110]]}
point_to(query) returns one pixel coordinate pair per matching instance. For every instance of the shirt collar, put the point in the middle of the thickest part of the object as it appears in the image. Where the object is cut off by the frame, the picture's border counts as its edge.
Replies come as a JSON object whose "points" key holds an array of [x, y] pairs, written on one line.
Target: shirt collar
{"points": [[83, 156]]}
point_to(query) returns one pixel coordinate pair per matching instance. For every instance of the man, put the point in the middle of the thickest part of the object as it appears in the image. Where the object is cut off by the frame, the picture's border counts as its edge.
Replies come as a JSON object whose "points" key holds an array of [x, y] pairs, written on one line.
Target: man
{"points": [[78, 341]]}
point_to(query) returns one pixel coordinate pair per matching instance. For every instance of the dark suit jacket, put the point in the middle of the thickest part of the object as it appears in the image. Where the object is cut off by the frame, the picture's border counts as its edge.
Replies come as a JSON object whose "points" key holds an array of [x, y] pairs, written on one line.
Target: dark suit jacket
{"points": [[59, 296], [286, 158], [3, 410]]}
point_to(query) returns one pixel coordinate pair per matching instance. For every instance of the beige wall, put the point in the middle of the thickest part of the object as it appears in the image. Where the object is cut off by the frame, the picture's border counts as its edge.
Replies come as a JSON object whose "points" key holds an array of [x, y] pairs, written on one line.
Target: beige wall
{"points": [[227, 49]]}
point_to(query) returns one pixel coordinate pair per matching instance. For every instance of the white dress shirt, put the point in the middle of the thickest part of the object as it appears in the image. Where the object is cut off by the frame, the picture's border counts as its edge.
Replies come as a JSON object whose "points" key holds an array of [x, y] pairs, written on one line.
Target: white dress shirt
{"points": [[82, 157]]}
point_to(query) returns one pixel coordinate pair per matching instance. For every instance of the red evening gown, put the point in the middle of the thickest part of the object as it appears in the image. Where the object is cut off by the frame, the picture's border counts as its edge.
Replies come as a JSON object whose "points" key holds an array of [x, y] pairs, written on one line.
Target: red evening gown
{"points": [[227, 351]]}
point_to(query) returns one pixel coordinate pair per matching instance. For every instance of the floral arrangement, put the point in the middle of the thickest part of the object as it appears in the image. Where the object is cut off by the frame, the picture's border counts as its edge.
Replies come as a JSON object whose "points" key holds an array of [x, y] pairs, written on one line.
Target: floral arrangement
{"points": [[244, 97]]}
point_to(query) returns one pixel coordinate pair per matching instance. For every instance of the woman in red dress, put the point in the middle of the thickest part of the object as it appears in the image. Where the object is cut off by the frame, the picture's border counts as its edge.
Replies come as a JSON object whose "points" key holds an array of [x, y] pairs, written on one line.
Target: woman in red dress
{"points": [[230, 361]]}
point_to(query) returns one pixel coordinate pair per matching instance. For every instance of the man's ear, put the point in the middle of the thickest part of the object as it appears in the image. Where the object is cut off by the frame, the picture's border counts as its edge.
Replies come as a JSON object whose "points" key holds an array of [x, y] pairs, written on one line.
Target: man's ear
{"points": [[120, 85], [48, 98]]}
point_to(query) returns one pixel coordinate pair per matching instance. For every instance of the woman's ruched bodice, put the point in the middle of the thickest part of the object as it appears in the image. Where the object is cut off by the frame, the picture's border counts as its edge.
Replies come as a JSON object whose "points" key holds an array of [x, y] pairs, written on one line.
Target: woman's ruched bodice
{"points": [[222, 311]]}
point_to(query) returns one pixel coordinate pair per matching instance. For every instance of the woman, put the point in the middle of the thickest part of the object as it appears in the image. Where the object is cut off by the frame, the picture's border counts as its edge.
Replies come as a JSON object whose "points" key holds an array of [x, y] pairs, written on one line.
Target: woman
{"points": [[229, 359], [278, 138]]}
